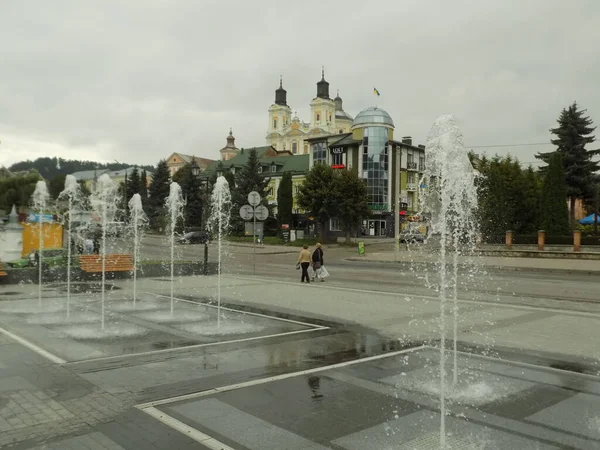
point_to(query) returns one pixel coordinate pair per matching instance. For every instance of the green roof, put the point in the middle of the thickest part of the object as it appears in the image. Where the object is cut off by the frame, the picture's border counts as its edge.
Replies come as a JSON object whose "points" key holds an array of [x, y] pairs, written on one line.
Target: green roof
{"points": [[291, 163]]}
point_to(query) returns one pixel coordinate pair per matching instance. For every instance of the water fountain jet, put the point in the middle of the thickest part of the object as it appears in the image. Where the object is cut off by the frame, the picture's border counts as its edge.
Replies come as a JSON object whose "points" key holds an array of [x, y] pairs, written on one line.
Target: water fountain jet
{"points": [[104, 201], [451, 199], [40, 202], [219, 222], [138, 221], [174, 203], [72, 193]]}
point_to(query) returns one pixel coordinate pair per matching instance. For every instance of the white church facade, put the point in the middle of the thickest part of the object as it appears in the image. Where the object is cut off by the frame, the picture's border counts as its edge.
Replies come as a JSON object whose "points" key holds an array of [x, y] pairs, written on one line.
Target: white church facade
{"points": [[287, 132]]}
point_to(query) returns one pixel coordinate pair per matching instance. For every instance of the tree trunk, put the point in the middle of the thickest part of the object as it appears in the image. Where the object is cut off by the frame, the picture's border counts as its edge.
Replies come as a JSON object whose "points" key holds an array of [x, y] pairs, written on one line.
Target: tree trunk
{"points": [[572, 212], [322, 232], [347, 235]]}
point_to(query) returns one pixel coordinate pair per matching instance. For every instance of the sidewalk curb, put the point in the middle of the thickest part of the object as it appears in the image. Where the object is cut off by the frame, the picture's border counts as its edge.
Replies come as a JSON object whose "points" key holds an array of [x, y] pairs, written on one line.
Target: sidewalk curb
{"points": [[416, 264]]}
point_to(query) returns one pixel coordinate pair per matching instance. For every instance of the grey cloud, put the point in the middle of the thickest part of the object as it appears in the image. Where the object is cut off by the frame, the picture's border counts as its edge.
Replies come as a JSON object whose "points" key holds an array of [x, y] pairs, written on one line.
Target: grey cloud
{"points": [[150, 77]]}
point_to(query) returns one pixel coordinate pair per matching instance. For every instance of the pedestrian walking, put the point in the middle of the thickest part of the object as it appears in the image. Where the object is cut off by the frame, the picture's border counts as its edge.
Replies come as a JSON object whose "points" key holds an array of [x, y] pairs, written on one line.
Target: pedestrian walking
{"points": [[304, 263], [317, 262]]}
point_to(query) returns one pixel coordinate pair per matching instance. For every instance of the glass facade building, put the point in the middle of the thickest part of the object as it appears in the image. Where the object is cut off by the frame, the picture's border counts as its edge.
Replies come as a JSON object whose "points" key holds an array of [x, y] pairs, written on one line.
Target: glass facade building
{"points": [[375, 166], [319, 153]]}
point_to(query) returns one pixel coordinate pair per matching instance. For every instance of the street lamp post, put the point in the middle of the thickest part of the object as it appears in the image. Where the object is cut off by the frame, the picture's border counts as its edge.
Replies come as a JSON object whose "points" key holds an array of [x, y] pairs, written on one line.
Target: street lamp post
{"points": [[196, 174]]}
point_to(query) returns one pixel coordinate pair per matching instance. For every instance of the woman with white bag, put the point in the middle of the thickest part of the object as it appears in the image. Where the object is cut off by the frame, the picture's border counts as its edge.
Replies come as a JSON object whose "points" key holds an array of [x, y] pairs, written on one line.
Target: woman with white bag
{"points": [[318, 264]]}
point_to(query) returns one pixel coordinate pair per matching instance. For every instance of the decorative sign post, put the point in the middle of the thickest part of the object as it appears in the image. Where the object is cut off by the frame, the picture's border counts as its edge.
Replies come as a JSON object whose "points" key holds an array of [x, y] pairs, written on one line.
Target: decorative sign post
{"points": [[254, 211]]}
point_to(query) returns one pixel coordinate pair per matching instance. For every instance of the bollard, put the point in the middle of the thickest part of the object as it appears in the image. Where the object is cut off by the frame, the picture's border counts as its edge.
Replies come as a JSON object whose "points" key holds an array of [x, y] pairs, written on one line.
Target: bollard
{"points": [[509, 239], [541, 239], [576, 241]]}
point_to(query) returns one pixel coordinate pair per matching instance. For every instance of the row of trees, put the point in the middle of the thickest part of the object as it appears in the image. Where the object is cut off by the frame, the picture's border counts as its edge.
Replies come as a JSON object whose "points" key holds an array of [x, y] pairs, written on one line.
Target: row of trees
{"points": [[526, 200]]}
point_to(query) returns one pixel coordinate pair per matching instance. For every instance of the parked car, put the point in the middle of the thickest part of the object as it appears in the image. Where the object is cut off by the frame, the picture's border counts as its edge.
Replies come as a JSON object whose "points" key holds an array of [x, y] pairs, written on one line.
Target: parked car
{"points": [[194, 237], [51, 257], [412, 237]]}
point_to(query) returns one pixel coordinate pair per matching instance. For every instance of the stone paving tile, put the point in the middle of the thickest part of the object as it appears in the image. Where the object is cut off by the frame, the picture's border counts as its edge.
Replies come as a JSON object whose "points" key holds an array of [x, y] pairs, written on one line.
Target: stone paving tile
{"points": [[92, 441]]}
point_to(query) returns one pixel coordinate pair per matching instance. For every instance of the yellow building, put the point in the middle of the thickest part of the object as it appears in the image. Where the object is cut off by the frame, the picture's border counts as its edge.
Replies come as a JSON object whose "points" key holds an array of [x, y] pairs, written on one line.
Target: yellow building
{"points": [[177, 160], [287, 132]]}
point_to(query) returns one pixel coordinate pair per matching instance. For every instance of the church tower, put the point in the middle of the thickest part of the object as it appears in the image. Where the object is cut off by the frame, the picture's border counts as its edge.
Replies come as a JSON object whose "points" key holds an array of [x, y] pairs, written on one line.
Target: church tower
{"points": [[322, 107], [280, 114]]}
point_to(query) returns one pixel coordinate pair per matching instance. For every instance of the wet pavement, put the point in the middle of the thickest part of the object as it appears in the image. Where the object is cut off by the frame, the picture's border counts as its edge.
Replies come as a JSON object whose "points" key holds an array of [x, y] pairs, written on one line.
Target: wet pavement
{"points": [[393, 402], [298, 368]]}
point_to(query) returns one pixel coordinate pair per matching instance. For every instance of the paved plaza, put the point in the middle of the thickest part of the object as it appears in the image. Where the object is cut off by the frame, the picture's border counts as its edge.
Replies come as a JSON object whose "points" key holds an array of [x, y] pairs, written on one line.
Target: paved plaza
{"points": [[352, 363]]}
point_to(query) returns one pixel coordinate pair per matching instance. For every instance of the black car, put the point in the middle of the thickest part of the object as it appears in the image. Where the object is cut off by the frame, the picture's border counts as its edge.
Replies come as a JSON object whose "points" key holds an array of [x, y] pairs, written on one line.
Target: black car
{"points": [[194, 237], [412, 237]]}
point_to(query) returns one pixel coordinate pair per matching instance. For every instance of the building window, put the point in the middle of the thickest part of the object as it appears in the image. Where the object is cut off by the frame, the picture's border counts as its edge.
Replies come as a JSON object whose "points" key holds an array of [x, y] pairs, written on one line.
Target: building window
{"points": [[275, 124], [410, 177], [259, 169], [305, 149], [337, 159], [318, 117], [270, 192], [319, 151], [296, 189], [335, 225], [330, 117], [421, 163], [273, 168], [294, 147], [376, 167]]}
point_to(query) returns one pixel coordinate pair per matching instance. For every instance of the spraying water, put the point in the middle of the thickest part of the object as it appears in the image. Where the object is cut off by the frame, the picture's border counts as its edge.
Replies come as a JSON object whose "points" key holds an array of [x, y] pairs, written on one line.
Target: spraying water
{"points": [[174, 203], [138, 221], [451, 199], [219, 222], [40, 201], [72, 194], [104, 201]]}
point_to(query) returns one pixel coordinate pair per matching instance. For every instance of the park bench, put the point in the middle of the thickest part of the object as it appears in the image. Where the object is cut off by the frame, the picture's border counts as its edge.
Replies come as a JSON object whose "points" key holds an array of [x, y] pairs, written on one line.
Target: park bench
{"points": [[116, 262]]}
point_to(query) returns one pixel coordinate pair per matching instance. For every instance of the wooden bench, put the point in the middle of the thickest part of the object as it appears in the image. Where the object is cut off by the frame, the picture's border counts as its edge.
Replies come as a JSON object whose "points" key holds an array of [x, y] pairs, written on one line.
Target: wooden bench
{"points": [[116, 262]]}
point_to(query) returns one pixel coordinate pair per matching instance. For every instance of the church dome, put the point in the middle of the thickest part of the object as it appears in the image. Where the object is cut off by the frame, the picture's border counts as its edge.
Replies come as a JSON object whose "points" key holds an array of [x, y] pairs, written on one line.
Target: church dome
{"points": [[372, 116]]}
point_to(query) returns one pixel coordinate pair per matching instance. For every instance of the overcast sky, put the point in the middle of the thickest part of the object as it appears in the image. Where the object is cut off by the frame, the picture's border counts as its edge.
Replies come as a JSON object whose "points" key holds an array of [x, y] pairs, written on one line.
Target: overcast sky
{"points": [[135, 80]]}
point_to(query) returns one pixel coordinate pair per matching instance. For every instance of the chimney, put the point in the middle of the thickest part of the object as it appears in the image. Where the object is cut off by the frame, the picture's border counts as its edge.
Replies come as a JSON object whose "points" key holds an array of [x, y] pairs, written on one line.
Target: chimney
{"points": [[421, 146], [407, 140]]}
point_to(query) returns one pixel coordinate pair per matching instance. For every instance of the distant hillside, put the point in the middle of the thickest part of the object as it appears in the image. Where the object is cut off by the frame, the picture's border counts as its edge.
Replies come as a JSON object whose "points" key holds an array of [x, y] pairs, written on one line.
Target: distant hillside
{"points": [[49, 169]]}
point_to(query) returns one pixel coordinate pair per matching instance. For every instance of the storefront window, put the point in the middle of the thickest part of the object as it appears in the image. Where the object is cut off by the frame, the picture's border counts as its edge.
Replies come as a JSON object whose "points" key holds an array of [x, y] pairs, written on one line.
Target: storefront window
{"points": [[375, 166]]}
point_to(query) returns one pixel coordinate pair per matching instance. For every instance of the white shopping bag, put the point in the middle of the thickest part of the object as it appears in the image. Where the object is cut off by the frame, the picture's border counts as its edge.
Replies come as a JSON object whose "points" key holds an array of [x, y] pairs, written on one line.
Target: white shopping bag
{"points": [[323, 272]]}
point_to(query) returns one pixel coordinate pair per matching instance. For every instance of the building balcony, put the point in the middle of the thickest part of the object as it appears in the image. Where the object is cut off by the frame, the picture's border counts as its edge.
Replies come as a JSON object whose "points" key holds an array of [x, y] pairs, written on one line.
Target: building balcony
{"points": [[411, 187], [412, 166]]}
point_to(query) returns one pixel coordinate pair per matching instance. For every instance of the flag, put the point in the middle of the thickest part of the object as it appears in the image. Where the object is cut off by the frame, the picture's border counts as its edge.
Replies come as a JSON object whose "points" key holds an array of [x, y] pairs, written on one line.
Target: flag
{"points": [[376, 92]]}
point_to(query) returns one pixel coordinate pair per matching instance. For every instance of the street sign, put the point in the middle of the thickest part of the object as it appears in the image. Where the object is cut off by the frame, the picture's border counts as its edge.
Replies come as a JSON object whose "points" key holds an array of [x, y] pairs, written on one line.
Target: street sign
{"points": [[254, 198], [261, 212], [247, 212]]}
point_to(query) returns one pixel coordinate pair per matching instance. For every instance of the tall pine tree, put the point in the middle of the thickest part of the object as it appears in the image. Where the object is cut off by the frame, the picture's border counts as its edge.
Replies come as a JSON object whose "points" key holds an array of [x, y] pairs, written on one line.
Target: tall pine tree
{"points": [[573, 133], [285, 199], [159, 190], [248, 179], [316, 195], [554, 213], [144, 190], [350, 199], [191, 188], [133, 184]]}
